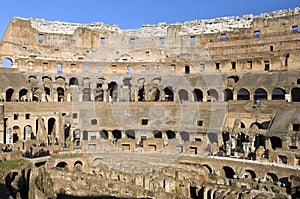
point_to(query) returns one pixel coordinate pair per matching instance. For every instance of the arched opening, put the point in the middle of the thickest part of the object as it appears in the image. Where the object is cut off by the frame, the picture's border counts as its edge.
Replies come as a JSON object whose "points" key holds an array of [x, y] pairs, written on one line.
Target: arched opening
{"points": [[47, 91], [61, 165], [260, 140], [23, 95], [250, 174], [169, 94], [260, 94], [243, 94], [103, 134], [225, 136], [278, 94], [86, 94], [9, 95], [130, 134], [141, 94], [78, 162], [7, 63], [183, 95], [276, 142], [117, 134], [28, 132], [241, 138], [295, 94], [113, 91], [67, 128], [271, 177], [228, 171], [256, 125], [185, 136], [285, 183], [157, 134], [60, 94], [228, 95], [207, 168], [213, 94], [51, 126], [16, 134], [265, 125], [171, 134], [74, 82], [198, 95]]}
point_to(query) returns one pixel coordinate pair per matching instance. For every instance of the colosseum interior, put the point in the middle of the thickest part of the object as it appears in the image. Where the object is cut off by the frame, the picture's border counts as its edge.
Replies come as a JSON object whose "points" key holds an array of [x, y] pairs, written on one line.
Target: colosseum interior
{"points": [[203, 109]]}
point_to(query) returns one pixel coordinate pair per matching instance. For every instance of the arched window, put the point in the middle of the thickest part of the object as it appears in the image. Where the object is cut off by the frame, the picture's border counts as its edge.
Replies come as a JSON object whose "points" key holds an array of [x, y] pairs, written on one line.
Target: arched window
{"points": [[113, 91], [22, 95], [74, 82], [117, 134], [243, 94], [276, 142], [278, 94], [169, 95], [198, 95], [295, 94], [228, 171], [213, 95], [104, 134], [51, 126], [171, 134], [184, 136], [141, 94], [183, 95], [260, 94], [157, 134], [9, 94], [228, 95], [60, 94], [130, 134], [7, 63]]}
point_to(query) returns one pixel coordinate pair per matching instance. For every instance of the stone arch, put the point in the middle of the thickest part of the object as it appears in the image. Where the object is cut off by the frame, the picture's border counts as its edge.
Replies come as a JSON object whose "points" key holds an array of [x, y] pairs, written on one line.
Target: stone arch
{"points": [[130, 134], [278, 94], [73, 81], [157, 134], [169, 94], [260, 140], [260, 94], [243, 94], [207, 168], [171, 134], [295, 92], [7, 63], [276, 142], [117, 134], [9, 95], [60, 81], [16, 133], [249, 174], [198, 95], [213, 94], [62, 165], [103, 134], [256, 125], [113, 91], [60, 94], [184, 136], [51, 126], [228, 95], [183, 95], [228, 172], [23, 94], [271, 177], [78, 162]]}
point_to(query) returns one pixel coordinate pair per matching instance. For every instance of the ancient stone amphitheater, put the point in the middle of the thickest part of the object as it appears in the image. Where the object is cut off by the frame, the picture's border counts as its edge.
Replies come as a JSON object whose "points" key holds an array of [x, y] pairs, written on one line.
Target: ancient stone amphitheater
{"points": [[203, 109]]}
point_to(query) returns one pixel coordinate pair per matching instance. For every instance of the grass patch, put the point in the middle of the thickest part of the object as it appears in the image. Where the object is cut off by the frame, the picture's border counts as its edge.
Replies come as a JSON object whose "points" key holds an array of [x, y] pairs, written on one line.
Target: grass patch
{"points": [[12, 164]]}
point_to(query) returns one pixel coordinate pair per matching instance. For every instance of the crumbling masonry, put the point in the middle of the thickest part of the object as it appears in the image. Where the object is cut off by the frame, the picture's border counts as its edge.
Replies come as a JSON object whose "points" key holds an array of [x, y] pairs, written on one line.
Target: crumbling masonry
{"points": [[226, 90]]}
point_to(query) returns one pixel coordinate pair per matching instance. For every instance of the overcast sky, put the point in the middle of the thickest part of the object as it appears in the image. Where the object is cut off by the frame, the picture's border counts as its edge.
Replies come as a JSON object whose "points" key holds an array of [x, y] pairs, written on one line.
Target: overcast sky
{"points": [[132, 14]]}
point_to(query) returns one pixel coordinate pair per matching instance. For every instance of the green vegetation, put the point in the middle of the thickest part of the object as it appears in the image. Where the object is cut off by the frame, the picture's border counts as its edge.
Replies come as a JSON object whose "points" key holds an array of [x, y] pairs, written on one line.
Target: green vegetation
{"points": [[12, 164]]}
